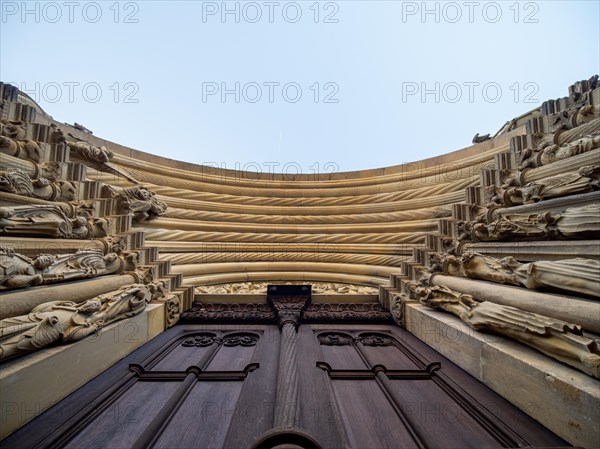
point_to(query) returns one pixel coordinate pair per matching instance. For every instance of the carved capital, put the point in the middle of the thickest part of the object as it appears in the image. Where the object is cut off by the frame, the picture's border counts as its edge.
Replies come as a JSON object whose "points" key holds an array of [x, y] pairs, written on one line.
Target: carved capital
{"points": [[289, 302]]}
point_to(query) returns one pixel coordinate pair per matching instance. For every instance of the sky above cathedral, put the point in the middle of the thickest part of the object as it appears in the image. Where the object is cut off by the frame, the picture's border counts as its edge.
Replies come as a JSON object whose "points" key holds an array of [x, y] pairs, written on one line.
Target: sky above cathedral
{"points": [[296, 87]]}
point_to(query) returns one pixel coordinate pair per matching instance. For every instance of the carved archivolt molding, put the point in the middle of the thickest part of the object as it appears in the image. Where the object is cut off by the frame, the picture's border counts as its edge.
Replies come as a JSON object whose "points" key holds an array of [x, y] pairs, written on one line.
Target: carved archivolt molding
{"points": [[513, 193], [65, 321], [578, 275], [555, 338], [22, 149], [19, 182], [50, 221], [18, 271], [575, 222]]}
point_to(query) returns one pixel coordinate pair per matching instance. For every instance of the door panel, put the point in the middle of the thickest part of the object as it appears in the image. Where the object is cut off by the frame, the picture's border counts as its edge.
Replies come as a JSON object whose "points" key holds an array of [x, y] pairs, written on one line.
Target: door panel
{"points": [[203, 418], [121, 423], [212, 386]]}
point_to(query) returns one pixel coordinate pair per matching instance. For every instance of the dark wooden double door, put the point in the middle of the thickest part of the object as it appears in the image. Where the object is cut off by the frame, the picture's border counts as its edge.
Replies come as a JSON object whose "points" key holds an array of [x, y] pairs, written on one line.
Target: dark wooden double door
{"points": [[209, 386]]}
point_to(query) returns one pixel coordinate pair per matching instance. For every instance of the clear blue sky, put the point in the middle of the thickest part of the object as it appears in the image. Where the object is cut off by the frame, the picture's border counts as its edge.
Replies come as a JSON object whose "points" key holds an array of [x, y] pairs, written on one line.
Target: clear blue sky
{"points": [[491, 61]]}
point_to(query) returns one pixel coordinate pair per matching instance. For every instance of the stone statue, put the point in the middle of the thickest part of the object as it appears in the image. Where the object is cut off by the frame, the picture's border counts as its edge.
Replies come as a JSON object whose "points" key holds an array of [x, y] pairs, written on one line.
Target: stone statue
{"points": [[576, 275], [558, 339], [575, 222], [18, 271], [397, 302], [23, 149], [35, 220], [66, 321], [14, 130], [21, 271], [586, 179], [172, 309], [492, 197], [49, 221], [88, 152], [513, 226], [138, 200], [555, 153], [19, 182], [84, 263]]}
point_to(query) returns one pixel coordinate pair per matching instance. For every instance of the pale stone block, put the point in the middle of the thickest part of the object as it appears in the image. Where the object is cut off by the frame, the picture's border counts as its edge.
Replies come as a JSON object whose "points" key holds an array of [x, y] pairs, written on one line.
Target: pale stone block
{"points": [[561, 398], [33, 383]]}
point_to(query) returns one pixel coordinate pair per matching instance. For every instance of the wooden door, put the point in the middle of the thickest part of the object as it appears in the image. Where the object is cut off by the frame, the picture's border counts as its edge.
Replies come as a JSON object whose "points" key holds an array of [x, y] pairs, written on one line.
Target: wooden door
{"points": [[213, 386]]}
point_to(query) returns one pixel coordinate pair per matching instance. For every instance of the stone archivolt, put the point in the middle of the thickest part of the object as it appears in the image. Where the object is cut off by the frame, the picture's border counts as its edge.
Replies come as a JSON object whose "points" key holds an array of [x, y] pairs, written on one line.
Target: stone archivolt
{"points": [[555, 338], [577, 275], [66, 321], [19, 182], [20, 271], [195, 227], [572, 223]]}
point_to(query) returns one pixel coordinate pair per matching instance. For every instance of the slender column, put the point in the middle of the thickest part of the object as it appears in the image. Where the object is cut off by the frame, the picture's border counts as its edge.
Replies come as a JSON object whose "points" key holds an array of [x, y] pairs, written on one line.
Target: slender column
{"points": [[289, 310], [287, 379]]}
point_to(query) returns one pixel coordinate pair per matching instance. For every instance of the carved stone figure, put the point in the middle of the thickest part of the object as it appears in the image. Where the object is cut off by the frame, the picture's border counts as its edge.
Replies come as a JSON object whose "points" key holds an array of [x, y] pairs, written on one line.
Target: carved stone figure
{"points": [[577, 275], [49, 221], [531, 226], [478, 139], [14, 130], [88, 152], [21, 271], [23, 149], [492, 197], [18, 271], [397, 308], [84, 263], [138, 200], [172, 309], [576, 222], [586, 179], [66, 322], [555, 338], [19, 182], [555, 153]]}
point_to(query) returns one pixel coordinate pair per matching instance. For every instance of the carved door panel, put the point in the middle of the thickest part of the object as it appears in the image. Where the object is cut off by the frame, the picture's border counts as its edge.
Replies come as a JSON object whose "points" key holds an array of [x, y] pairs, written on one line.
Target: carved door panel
{"points": [[209, 386], [387, 389]]}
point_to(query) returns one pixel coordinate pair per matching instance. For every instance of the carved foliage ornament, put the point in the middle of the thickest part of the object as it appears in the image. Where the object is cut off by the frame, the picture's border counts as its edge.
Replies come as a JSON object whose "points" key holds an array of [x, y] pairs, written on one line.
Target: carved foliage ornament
{"points": [[203, 340], [341, 339], [223, 313], [346, 312]]}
